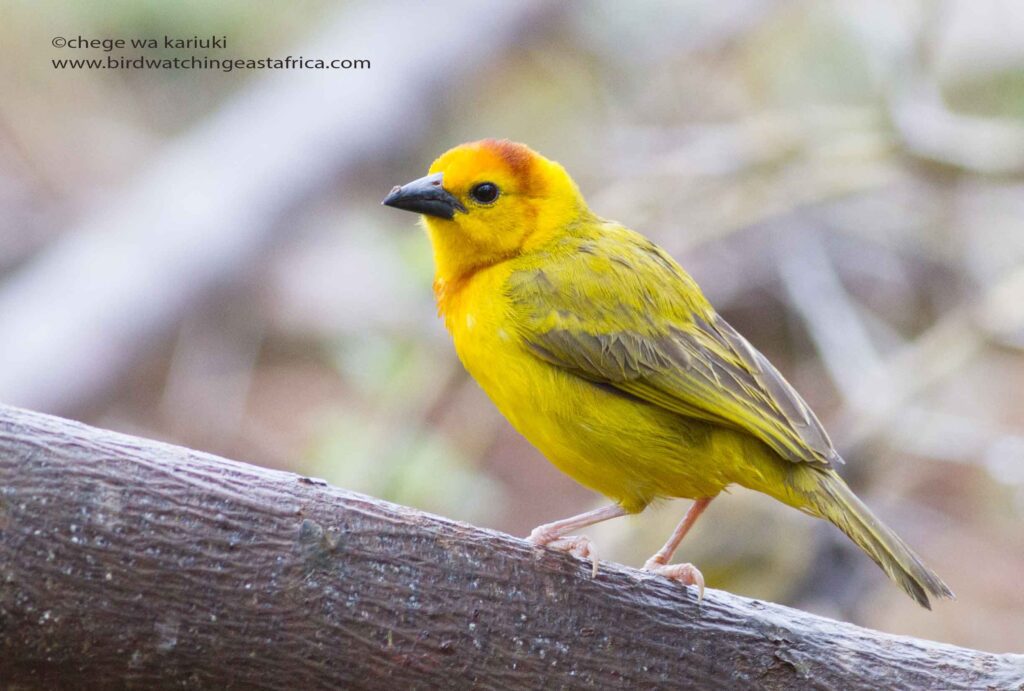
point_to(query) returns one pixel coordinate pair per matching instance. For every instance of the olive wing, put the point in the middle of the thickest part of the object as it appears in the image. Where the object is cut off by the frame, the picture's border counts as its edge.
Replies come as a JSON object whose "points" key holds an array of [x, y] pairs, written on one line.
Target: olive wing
{"points": [[618, 311]]}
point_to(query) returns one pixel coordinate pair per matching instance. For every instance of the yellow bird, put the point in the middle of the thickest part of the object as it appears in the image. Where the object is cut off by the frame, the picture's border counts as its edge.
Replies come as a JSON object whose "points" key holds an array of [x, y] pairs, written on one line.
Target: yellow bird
{"points": [[603, 352]]}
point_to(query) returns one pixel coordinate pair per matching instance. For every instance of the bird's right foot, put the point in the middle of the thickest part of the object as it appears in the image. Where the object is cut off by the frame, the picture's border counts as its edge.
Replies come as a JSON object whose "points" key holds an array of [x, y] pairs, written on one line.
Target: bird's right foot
{"points": [[687, 574], [579, 546]]}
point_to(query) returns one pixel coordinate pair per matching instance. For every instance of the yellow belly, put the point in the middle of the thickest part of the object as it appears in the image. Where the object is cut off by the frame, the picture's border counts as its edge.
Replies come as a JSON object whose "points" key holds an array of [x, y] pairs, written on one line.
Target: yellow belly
{"points": [[627, 449]]}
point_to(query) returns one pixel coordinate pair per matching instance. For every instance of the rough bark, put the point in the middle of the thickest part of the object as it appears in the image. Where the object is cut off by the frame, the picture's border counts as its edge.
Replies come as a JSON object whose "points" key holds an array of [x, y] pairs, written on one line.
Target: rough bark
{"points": [[127, 562]]}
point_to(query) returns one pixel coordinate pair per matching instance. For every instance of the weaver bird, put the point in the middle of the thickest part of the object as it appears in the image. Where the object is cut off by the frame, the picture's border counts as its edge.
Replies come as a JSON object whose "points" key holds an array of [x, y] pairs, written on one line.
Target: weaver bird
{"points": [[604, 353]]}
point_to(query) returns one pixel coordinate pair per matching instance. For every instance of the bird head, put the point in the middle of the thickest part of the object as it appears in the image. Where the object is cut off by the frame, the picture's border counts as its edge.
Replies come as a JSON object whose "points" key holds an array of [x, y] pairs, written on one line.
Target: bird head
{"points": [[488, 201]]}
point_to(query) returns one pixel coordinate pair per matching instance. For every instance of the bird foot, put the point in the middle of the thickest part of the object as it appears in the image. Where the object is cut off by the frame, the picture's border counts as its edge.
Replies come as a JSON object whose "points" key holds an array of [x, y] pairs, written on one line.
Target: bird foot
{"points": [[687, 574], [579, 546]]}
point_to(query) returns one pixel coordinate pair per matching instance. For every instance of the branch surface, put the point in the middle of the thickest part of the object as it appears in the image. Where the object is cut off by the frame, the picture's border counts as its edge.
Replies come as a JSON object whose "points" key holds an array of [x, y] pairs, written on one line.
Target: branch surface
{"points": [[125, 561]]}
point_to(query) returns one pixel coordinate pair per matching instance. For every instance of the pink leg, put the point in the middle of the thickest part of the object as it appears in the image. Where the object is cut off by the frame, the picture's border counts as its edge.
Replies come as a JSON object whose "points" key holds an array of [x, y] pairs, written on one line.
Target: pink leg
{"points": [[554, 535], [687, 574], [665, 553]]}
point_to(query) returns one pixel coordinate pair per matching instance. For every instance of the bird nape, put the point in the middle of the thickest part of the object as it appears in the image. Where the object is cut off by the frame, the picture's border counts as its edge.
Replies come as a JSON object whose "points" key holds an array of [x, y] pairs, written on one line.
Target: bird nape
{"points": [[604, 353]]}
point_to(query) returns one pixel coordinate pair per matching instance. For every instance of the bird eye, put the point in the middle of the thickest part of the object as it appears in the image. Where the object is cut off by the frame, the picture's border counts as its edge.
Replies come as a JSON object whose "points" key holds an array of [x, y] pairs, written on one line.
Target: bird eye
{"points": [[485, 192]]}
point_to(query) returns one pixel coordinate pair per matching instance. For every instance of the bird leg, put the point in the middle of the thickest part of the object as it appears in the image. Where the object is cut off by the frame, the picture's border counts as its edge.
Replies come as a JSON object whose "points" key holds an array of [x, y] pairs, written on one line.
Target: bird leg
{"points": [[687, 574], [553, 535]]}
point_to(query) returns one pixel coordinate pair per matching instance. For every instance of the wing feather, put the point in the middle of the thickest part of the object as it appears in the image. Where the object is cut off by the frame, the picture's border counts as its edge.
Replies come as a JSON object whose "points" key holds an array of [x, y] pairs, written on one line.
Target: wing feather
{"points": [[619, 311]]}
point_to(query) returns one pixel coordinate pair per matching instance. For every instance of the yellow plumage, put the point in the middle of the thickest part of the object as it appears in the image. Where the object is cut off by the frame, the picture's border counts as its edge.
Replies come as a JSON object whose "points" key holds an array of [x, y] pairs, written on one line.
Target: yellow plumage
{"points": [[605, 354]]}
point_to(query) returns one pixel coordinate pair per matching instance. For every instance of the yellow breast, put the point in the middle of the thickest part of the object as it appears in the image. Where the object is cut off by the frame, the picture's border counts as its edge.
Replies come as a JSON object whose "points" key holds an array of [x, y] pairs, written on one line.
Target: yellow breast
{"points": [[626, 449], [476, 313]]}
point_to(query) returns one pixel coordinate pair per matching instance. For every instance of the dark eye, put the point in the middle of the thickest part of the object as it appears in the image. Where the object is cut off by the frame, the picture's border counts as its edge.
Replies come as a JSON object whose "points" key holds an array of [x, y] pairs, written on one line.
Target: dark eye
{"points": [[485, 192]]}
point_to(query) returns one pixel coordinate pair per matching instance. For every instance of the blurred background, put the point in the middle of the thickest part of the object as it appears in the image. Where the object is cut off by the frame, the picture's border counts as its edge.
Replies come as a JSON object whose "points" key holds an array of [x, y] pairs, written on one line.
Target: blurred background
{"points": [[200, 256]]}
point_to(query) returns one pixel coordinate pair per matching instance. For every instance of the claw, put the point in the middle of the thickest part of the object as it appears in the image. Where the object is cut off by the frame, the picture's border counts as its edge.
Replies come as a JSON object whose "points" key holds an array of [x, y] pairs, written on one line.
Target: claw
{"points": [[687, 574], [579, 546]]}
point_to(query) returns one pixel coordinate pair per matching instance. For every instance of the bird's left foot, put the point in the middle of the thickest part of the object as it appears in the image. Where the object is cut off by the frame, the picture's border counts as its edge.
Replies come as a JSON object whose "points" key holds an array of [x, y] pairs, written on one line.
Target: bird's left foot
{"points": [[687, 574], [579, 546]]}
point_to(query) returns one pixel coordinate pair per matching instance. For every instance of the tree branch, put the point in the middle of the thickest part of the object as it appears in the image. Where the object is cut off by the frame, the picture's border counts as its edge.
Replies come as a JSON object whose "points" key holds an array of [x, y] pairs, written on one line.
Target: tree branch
{"points": [[130, 562]]}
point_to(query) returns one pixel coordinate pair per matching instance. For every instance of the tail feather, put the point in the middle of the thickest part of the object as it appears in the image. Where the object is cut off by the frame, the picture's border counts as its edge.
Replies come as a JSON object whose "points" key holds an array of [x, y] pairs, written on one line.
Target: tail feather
{"points": [[836, 502]]}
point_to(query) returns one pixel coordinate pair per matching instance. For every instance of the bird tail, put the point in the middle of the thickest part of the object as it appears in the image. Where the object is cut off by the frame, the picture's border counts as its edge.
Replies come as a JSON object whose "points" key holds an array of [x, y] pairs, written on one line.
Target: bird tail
{"points": [[837, 503]]}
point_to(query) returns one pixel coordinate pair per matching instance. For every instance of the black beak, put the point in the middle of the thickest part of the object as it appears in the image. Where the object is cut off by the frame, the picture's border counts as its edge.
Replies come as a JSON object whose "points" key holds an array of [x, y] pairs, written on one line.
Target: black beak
{"points": [[425, 196]]}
